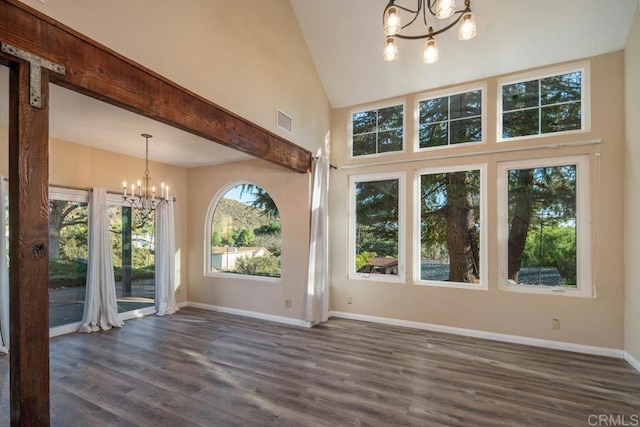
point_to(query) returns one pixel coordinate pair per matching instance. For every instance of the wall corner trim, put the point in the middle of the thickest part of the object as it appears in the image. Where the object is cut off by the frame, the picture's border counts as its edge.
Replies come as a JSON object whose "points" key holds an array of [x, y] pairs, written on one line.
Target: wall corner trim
{"points": [[632, 361], [515, 339], [253, 314]]}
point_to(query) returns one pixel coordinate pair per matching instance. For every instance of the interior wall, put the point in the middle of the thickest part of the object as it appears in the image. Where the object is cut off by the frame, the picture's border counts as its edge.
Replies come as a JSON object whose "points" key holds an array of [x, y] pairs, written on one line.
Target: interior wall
{"points": [[247, 56], [290, 192], [631, 193], [596, 322]]}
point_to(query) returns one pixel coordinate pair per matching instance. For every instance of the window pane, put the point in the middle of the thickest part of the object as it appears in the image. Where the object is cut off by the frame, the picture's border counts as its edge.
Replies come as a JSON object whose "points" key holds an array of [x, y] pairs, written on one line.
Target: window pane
{"points": [[390, 117], [390, 140], [563, 88], [434, 135], [467, 130], [132, 254], [542, 226], [434, 110], [450, 226], [68, 252], [520, 95], [520, 123], [466, 104], [364, 144], [246, 233], [377, 227], [563, 117], [365, 121]]}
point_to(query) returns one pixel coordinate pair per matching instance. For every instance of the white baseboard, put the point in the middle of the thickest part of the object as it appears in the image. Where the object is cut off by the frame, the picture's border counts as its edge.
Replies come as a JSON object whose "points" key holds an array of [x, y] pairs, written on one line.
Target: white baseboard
{"points": [[134, 314], [183, 304], [515, 339], [69, 328], [632, 361], [253, 314]]}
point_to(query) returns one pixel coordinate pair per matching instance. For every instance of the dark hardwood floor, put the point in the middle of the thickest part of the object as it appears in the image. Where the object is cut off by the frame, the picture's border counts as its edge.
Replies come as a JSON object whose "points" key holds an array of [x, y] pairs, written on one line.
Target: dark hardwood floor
{"points": [[205, 368]]}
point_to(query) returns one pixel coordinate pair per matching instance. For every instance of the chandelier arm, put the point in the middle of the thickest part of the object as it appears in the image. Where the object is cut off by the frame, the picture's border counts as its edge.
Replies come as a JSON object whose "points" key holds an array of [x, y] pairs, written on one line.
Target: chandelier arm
{"points": [[430, 7], [434, 33]]}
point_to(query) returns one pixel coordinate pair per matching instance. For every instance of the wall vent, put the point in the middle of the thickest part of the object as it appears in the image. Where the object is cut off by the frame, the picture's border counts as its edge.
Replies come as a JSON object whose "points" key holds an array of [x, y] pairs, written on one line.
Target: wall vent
{"points": [[284, 121]]}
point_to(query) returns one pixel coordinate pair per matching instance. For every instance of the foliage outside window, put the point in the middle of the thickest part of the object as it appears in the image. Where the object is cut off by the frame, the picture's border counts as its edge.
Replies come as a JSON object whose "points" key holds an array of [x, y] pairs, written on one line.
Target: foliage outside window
{"points": [[377, 227], [377, 131], [543, 106], [68, 254], [133, 256], [245, 233], [546, 236], [450, 210], [449, 120]]}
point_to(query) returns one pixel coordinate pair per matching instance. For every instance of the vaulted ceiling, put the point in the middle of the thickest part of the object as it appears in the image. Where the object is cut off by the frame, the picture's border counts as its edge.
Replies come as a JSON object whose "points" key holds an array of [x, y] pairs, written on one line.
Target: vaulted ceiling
{"points": [[346, 40]]}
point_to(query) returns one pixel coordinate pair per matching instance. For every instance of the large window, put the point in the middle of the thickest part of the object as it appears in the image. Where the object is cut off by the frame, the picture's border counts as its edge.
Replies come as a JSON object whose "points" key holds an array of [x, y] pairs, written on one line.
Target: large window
{"points": [[451, 249], [544, 105], [450, 119], [68, 251], [377, 227], [379, 130], [244, 234], [133, 256], [544, 225]]}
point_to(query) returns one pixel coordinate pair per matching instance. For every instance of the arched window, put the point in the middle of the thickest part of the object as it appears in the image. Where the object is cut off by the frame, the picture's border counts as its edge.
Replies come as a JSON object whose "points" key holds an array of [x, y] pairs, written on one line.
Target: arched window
{"points": [[243, 233]]}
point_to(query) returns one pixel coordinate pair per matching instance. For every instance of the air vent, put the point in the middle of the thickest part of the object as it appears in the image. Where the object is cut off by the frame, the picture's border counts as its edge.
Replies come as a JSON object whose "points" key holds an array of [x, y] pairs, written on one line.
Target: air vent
{"points": [[284, 121]]}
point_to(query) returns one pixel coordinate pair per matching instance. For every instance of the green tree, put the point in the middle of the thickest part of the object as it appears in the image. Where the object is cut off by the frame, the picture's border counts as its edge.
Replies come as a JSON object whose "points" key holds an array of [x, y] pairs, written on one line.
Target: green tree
{"points": [[267, 265], [363, 258]]}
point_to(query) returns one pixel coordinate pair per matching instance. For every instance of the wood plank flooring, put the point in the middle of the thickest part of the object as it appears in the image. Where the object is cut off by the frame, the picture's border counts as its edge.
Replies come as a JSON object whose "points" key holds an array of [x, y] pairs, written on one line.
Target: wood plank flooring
{"points": [[200, 368]]}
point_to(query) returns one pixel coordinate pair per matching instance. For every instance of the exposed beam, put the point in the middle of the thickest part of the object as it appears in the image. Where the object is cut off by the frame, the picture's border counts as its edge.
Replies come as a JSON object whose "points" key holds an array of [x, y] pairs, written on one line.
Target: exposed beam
{"points": [[28, 250], [99, 72]]}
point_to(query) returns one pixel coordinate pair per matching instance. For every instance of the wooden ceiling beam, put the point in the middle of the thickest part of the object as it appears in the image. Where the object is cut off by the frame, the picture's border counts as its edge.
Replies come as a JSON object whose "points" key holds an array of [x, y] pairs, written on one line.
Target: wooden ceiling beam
{"points": [[99, 72]]}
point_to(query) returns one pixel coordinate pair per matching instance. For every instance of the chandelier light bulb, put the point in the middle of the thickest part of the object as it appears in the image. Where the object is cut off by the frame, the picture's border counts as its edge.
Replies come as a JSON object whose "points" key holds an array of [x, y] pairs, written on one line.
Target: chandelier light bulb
{"points": [[392, 23], [430, 52], [390, 52], [467, 29], [444, 8]]}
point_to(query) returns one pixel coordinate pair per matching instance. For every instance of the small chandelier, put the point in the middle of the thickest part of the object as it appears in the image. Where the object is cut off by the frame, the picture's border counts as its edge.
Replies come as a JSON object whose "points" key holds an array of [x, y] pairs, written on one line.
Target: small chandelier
{"points": [[144, 197], [441, 9]]}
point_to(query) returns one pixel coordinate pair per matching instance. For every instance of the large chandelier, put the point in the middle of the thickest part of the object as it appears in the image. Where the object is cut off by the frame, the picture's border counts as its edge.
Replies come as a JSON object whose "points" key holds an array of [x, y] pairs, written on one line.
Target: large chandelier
{"points": [[144, 196], [441, 9]]}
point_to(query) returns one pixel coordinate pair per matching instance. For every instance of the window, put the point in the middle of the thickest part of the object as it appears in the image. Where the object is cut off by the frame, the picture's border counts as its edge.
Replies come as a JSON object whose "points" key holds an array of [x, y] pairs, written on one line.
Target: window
{"points": [[451, 248], [244, 230], [68, 252], [450, 119], [133, 255], [544, 225], [376, 131], [544, 105], [377, 227]]}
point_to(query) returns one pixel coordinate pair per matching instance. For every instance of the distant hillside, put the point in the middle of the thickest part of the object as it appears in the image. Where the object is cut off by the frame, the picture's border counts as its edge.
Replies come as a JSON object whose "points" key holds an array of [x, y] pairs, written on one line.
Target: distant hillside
{"points": [[232, 214]]}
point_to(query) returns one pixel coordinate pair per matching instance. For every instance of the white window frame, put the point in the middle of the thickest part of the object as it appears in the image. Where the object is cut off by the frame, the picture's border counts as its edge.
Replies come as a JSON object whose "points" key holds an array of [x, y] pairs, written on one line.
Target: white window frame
{"points": [[417, 241], [392, 103], [448, 93], [207, 239], [352, 273], [583, 226], [583, 67]]}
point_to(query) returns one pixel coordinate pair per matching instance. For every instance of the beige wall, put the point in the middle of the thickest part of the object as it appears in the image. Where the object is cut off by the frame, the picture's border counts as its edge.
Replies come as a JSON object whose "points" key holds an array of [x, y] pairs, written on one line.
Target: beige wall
{"points": [[290, 191], [597, 322], [247, 56], [632, 193]]}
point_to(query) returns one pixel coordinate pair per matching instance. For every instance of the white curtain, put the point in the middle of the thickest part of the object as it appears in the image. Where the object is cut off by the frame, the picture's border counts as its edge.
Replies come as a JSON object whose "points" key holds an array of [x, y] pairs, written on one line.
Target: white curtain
{"points": [[318, 280], [165, 260], [100, 305], [4, 272]]}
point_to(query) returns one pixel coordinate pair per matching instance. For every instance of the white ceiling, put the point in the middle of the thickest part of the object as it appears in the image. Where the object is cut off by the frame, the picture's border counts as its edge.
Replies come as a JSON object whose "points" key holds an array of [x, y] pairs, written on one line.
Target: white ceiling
{"points": [[346, 39]]}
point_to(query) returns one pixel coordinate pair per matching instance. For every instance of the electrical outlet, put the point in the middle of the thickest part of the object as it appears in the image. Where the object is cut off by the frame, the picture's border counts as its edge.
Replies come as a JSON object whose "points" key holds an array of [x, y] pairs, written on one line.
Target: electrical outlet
{"points": [[349, 300], [555, 324], [287, 303]]}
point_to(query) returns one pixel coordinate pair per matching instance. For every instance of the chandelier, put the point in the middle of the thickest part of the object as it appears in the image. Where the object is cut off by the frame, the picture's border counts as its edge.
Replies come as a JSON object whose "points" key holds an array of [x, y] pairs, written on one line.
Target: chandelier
{"points": [[144, 197], [441, 9]]}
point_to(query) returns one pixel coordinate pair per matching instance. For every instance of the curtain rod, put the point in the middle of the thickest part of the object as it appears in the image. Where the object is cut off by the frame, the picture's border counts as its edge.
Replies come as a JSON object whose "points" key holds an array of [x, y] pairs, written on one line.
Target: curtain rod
{"points": [[477, 153], [71, 187], [330, 165]]}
